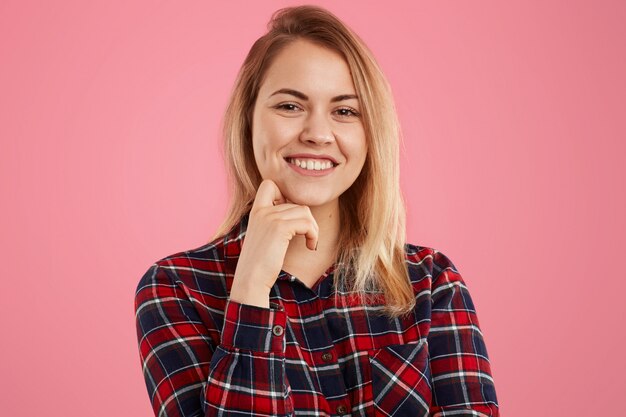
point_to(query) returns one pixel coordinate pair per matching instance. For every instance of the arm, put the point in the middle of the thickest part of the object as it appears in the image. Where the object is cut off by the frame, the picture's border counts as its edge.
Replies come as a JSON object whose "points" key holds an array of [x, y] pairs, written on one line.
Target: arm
{"points": [[460, 368], [188, 375]]}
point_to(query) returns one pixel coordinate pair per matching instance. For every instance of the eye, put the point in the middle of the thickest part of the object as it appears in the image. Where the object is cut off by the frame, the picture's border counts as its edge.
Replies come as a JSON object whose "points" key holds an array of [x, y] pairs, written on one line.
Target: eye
{"points": [[347, 112], [288, 107]]}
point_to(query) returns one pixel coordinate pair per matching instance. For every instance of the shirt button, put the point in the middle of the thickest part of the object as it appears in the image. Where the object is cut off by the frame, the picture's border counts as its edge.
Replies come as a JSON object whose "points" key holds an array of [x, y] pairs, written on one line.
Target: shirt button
{"points": [[327, 357], [277, 330], [341, 409]]}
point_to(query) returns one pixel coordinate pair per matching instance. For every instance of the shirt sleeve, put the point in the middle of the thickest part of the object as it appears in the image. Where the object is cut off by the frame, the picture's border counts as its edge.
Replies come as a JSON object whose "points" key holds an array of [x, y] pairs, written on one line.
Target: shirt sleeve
{"points": [[460, 368], [187, 374]]}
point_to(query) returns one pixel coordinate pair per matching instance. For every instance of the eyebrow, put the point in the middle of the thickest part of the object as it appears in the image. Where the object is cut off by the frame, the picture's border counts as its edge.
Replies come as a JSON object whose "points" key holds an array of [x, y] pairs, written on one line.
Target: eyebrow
{"points": [[303, 96]]}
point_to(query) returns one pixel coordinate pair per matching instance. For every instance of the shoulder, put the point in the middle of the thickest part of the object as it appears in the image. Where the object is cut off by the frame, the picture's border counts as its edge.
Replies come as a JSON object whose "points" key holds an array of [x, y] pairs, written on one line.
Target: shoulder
{"points": [[193, 269], [202, 260], [428, 263], [203, 268]]}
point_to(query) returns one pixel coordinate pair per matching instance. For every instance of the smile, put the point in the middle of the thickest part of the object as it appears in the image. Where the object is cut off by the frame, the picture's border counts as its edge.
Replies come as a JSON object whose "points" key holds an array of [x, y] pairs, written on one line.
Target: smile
{"points": [[311, 167], [311, 164]]}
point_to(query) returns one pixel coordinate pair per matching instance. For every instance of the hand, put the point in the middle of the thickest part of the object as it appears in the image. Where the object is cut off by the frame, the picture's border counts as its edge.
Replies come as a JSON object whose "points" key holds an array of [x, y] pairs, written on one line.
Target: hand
{"points": [[270, 229]]}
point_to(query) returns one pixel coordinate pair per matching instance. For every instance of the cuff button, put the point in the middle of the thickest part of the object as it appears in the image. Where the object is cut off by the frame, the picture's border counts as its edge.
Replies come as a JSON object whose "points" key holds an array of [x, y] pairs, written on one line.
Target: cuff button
{"points": [[277, 330]]}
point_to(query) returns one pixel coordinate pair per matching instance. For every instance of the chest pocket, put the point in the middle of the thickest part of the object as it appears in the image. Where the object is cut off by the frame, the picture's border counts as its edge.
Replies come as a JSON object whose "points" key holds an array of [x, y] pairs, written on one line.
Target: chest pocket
{"points": [[401, 380]]}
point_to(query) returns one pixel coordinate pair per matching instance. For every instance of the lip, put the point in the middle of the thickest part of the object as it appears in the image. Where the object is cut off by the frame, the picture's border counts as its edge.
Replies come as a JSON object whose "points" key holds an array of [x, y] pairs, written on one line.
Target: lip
{"points": [[312, 156], [310, 173]]}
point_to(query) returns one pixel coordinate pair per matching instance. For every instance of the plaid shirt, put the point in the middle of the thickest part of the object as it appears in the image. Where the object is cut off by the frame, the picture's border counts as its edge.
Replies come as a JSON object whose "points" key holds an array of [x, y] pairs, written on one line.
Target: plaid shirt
{"points": [[305, 355]]}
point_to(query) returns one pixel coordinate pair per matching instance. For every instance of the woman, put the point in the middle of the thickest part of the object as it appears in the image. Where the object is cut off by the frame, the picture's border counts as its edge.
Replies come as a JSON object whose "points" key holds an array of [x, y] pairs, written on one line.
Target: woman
{"points": [[308, 300]]}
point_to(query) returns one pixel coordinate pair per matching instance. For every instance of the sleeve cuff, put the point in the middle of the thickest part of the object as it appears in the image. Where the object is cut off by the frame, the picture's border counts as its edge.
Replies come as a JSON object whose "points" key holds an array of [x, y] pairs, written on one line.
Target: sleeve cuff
{"points": [[254, 328]]}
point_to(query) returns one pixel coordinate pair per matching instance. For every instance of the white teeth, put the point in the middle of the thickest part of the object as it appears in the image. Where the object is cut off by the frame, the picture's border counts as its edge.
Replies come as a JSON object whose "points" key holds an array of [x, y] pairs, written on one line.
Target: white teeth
{"points": [[314, 165]]}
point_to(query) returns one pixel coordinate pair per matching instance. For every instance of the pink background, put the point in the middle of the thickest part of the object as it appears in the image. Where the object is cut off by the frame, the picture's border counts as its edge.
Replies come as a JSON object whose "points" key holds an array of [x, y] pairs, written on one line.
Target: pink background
{"points": [[513, 166]]}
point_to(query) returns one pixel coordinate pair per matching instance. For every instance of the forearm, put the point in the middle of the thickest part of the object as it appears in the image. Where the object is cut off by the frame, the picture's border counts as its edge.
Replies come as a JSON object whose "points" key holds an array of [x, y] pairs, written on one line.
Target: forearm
{"points": [[188, 373], [463, 386]]}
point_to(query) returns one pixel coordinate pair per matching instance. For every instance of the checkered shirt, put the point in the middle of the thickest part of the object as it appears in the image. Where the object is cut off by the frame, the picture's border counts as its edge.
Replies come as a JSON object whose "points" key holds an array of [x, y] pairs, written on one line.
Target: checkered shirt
{"points": [[307, 354]]}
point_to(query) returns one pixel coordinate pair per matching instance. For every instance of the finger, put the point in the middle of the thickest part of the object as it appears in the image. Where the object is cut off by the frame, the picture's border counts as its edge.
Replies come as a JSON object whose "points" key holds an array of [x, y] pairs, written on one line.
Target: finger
{"points": [[284, 200], [282, 207], [279, 202], [306, 228], [266, 194], [294, 211]]}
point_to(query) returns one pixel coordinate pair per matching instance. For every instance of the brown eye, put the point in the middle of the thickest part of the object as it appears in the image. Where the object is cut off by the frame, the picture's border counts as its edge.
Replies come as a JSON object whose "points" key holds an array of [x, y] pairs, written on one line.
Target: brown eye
{"points": [[347, 112], [289, 107]]}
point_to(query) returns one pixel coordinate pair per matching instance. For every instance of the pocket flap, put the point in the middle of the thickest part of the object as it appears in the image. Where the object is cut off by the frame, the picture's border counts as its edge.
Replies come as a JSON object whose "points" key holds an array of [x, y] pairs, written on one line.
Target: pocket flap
{"points": [[401, 379]]}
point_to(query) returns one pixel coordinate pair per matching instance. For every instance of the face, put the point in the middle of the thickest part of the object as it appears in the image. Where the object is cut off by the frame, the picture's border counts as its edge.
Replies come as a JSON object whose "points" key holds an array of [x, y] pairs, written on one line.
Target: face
{"points": [[307, 132]]}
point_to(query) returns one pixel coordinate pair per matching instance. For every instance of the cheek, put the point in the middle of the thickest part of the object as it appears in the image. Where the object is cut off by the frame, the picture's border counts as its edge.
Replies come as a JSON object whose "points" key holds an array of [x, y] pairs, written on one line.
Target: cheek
{"points": [[270, 135], [363, 147], [357, 147], [261, 138], [273, 132]]}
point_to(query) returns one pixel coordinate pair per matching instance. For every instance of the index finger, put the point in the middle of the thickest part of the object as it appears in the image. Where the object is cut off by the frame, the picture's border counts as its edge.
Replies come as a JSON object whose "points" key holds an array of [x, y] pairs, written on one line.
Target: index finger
{"points": [[266, 194]]}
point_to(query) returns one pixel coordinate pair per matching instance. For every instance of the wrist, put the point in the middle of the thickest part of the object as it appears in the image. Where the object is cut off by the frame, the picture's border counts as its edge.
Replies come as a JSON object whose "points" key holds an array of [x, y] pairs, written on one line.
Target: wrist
{"points": [[250, 294]]}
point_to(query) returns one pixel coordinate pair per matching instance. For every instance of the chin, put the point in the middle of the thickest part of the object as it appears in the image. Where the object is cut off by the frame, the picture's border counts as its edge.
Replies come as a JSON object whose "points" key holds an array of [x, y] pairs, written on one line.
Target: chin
{"points": [[311, 202], [310, 199]]}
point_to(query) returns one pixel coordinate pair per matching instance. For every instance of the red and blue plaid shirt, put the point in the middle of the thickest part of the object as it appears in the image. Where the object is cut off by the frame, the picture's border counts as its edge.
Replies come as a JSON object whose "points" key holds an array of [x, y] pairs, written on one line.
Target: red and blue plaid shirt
{"points": [[306, 355]]}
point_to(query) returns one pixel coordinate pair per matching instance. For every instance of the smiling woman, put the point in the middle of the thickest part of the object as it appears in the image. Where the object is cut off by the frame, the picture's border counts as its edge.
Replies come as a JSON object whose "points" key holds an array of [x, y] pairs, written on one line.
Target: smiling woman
{"points": [[307, 111], [308, 300]]}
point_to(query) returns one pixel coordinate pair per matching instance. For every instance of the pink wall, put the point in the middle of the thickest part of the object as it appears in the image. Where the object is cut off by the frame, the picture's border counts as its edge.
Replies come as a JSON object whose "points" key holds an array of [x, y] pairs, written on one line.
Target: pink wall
{"points": [[514, 125]]}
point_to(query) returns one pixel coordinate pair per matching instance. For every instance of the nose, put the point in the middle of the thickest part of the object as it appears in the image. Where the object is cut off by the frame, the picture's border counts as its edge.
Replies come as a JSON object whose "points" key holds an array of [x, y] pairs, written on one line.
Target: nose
{"points": [[317, 129]]}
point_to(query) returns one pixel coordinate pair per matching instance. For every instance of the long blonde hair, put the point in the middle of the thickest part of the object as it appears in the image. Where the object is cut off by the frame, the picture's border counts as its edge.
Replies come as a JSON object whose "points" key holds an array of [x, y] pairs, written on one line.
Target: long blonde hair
{"points": [[371, 255]]}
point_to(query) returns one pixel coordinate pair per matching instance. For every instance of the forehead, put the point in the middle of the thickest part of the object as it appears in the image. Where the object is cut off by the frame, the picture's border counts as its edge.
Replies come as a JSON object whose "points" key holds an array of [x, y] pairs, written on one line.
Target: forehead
{"points": [[310, 68]]}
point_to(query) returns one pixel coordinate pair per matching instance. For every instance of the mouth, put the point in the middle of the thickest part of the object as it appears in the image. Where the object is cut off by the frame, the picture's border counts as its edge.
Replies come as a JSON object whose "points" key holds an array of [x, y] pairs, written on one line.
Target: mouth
{"points": [[311, 164]]}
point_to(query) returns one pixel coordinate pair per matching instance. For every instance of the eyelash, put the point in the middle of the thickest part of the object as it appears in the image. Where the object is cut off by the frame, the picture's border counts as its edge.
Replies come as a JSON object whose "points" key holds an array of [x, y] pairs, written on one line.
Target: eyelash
{"points": [[284, 106]]}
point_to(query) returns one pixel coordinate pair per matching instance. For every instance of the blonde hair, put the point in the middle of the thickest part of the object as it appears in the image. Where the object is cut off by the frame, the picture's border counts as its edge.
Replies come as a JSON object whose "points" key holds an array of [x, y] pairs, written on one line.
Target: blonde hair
{"points": [[371, 253]]}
